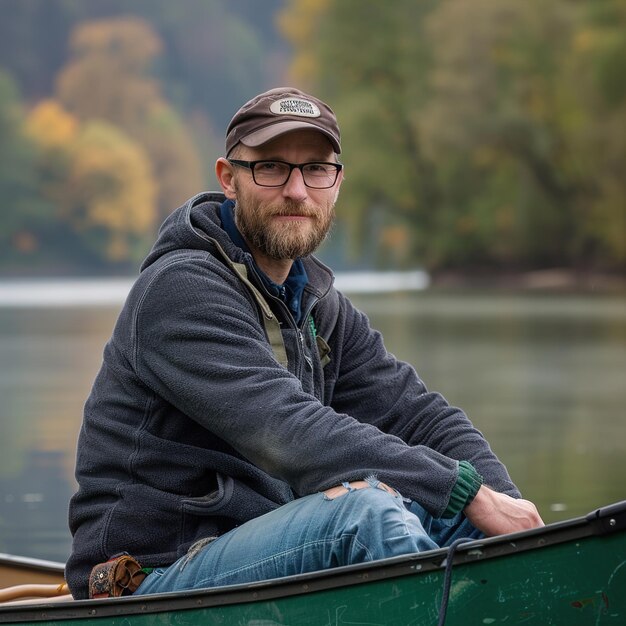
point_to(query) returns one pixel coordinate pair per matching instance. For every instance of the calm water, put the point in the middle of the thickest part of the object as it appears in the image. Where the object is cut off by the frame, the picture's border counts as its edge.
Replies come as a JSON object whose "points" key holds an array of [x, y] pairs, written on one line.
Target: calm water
{"points": [[544, 377]]}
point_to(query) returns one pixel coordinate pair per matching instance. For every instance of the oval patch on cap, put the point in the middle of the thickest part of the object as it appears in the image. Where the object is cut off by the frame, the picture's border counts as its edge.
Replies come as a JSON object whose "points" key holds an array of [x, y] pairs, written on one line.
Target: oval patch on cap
{"points": [[295, 106]]}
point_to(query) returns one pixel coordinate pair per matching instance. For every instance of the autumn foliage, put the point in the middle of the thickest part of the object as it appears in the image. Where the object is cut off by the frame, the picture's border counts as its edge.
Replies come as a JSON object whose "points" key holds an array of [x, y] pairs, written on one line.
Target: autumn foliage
{"points": [[484, 135], [109, 156]]}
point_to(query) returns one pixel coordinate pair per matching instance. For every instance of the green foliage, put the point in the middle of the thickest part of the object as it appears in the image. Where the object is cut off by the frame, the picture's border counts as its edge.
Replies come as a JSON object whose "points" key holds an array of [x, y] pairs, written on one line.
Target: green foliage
{"points": [[492, 129], [487, 133], [23, 211]]}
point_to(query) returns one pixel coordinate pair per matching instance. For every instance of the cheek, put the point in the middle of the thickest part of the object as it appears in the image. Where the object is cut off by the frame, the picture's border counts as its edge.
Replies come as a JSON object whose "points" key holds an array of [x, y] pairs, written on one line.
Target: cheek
{"points": [[234, 190], [257, 197]]}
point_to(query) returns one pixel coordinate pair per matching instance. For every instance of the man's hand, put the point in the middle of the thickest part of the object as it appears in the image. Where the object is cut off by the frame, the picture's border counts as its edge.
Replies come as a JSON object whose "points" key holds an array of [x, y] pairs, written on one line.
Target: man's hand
{"points": [[498, 514]]}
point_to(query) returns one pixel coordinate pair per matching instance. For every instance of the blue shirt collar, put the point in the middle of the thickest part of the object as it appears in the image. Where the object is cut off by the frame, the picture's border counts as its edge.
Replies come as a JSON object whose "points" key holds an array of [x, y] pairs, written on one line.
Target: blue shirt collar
{"points": [[292, 289]]}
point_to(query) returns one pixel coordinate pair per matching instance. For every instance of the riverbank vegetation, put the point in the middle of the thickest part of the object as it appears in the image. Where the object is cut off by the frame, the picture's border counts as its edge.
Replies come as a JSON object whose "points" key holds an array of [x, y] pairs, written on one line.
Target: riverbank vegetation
{"points": [[483, 137]]}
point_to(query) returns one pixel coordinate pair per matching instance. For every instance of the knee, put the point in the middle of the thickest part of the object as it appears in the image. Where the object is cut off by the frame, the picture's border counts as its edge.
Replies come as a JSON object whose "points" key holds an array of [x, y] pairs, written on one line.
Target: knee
{"points": [[377, 518], [364, 504]]}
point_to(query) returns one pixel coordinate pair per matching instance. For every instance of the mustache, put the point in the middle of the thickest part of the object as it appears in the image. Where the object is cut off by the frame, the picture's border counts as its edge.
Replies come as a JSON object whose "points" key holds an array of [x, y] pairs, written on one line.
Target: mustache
{"points": [[292, 208]]}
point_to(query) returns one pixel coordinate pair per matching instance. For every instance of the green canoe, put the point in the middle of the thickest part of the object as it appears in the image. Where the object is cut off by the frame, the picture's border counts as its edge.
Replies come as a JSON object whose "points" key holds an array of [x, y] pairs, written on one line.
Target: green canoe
{"points": [[568, 573]]}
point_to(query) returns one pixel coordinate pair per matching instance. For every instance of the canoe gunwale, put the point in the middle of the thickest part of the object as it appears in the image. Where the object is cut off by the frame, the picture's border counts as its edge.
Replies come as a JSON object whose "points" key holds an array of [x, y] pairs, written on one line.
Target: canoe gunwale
{"points": [[610, 519], [30, 564]]}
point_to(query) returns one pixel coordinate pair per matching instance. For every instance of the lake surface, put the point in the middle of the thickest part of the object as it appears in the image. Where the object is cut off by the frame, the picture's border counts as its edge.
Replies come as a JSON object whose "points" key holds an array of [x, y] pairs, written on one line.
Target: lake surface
{"points": [[543, 376]]}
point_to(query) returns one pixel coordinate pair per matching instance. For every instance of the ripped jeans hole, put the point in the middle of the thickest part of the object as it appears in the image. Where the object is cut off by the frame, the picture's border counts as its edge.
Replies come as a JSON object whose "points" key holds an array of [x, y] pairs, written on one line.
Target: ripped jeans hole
{"points": [[346, 487]]}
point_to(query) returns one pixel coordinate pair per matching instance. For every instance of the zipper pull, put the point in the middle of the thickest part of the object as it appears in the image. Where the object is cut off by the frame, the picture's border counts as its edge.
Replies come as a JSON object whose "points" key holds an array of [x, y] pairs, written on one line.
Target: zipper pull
{"points": [[307, 358]]}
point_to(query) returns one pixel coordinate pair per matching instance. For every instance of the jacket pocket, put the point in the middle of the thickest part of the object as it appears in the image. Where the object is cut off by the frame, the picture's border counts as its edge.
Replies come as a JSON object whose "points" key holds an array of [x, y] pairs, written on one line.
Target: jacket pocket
{"points": [[232, 499], [233, 503]]}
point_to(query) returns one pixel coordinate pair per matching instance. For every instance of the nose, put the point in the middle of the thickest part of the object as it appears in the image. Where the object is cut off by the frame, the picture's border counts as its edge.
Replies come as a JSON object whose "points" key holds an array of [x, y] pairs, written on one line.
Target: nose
{"points": [[294, 187]]}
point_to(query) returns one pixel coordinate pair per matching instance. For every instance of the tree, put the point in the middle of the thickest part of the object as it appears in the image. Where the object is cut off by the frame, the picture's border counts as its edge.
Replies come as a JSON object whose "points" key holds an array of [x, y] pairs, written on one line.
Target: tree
{"points": [[120, 52], [23, 209], [108, 76], [492, 130], [375, 90], [516, 103], [490, 118], [595, 70], [100, 183], [111, 203]]}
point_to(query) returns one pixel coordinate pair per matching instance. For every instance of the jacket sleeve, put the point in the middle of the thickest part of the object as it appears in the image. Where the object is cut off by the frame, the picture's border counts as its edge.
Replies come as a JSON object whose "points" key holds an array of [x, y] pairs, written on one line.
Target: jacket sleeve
{"points": [[199, 345], [375, 387]]}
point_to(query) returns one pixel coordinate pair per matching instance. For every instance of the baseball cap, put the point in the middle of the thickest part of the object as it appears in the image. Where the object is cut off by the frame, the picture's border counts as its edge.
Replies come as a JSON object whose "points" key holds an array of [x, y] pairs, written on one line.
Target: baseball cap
{"points": [[280, 111]]}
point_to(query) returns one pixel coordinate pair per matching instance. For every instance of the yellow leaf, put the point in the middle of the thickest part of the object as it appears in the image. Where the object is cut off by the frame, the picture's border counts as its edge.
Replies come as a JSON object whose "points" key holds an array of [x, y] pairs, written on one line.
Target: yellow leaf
{"points": [[50, 125]]}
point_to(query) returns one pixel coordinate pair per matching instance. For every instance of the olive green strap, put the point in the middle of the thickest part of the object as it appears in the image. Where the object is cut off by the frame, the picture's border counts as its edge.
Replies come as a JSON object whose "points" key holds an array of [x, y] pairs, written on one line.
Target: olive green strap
{"points": [[271, 323], [324, 350]]}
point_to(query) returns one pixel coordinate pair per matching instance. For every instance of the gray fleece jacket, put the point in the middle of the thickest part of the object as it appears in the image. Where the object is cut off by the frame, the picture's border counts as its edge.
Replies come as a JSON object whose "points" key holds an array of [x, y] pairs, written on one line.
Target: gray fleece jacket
{"points": [[193, 427]]}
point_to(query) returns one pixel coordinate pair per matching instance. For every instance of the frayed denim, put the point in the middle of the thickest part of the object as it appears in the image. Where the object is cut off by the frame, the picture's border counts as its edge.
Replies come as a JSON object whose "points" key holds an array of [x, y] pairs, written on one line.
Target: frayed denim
{"points": [[308, 534]]}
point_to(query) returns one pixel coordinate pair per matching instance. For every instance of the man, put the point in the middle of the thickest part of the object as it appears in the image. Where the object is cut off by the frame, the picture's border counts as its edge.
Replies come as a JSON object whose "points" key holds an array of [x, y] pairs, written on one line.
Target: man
{"points": [[247, 423]]}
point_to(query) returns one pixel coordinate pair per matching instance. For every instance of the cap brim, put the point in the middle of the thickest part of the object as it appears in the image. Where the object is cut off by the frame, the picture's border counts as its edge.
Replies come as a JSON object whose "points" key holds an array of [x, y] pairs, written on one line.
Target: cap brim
{"points": [[263, 135]]}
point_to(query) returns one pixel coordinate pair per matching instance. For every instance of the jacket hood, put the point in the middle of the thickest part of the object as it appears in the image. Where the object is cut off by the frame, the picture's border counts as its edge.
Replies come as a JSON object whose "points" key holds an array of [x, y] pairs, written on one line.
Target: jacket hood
{"points": [[195, 225]]}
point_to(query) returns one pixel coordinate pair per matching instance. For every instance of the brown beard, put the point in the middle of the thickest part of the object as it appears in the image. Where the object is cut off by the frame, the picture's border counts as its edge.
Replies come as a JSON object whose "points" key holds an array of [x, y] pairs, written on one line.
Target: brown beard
{"points": [[282, 241]]}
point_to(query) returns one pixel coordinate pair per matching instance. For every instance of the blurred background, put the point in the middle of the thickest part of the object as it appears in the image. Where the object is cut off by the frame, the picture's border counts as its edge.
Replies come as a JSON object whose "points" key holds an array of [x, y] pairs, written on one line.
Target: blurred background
{"points": [[481, 224]]}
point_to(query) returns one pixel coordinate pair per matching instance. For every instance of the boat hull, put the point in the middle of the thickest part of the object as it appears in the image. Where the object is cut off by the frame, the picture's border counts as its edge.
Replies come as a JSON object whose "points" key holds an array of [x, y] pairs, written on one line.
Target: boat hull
{"points": [[570, 573]]}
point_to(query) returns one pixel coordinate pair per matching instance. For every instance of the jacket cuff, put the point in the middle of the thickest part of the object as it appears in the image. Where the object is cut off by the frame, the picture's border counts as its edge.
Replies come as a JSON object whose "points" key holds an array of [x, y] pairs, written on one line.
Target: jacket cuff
{"points": [[467, 485]]}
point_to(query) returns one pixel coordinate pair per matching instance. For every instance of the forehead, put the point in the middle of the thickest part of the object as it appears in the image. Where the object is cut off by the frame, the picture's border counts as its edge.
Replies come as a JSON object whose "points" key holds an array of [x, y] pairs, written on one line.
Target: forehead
{"points": [[294, 145]]}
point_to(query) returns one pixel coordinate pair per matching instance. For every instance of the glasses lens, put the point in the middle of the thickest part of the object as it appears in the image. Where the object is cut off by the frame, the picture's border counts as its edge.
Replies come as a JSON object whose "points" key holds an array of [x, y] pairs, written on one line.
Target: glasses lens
{"points": [[271, 173], [319, 175]]}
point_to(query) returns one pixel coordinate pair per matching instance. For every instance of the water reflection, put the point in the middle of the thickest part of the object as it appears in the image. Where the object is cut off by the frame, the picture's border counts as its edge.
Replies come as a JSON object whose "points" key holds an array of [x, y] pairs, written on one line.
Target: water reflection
{"points": [[34, 508], [541, 376]]}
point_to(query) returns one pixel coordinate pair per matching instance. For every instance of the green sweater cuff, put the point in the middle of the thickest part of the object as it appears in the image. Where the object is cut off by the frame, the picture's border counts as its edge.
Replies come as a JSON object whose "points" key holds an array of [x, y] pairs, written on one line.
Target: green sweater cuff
{"points": [[467, 485]]}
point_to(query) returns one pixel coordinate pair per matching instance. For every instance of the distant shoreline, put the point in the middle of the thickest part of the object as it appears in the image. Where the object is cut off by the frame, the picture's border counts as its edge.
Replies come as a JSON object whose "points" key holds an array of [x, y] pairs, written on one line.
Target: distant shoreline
{"points": [[112, 291], [556, 279], [98, 291]]}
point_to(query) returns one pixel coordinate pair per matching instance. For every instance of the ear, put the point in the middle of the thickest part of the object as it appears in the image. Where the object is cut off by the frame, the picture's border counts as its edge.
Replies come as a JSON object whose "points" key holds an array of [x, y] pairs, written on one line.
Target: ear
{"points": [[225, 177]]}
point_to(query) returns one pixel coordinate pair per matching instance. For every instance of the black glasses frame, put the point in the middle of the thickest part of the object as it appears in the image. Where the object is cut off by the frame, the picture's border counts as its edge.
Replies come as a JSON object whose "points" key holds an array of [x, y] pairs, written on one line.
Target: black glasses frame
{"points": [[292, 166]]}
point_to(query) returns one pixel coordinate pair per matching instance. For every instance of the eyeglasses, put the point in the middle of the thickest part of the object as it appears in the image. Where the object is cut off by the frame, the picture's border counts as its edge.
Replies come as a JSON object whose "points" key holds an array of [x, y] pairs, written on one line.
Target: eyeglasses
{"points": [[317, 175]]}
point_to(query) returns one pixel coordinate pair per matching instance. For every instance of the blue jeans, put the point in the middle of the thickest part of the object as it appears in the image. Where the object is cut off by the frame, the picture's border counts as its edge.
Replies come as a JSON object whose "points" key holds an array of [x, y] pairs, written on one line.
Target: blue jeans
{"points": [[309, 534]]}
